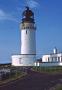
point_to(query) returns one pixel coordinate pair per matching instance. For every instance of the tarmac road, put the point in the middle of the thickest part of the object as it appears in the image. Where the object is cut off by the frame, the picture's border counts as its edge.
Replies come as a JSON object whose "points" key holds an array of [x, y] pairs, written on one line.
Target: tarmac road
{"points": [[34, 81]]}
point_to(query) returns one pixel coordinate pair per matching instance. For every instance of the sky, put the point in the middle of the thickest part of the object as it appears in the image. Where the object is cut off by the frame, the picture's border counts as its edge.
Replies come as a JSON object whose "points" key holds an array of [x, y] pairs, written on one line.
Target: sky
{"points": [[48, 18]]}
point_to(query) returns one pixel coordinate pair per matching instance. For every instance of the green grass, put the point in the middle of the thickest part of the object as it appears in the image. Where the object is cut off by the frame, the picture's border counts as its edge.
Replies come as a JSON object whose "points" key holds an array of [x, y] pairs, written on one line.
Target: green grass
{"points": [[48, 69], [59, 87], [16, 76]]}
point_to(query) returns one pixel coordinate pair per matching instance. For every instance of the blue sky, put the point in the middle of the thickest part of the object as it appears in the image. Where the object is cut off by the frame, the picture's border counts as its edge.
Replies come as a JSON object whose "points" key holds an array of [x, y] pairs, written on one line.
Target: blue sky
{"points": [[48, 17]]}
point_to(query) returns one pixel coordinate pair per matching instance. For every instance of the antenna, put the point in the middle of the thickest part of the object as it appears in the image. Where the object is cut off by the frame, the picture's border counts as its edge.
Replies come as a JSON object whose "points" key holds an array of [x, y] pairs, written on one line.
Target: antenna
{"points": [[27, 3]]}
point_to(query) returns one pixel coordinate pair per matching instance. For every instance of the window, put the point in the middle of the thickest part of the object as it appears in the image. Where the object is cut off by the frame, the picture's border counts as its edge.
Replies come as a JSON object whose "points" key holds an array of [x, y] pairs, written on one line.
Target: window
{"points": [[26, 31], [58, 59], [27, 27], [55, 59], [51, 59], [48, 59], [24, 27], [61, 58]]}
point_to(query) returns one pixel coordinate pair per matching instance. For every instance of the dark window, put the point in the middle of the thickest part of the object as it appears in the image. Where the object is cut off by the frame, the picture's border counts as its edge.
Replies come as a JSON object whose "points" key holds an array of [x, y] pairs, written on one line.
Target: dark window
{"points": [[61, 58], [58, 59], [27, 27], [48, 59], [26, 31], [24, 27], [52, 59]]}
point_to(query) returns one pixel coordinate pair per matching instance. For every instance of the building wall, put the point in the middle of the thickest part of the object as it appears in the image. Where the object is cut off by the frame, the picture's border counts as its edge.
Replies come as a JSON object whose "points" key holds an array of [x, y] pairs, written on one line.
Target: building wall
{"points": [[52, 58], [45, 58], [28, 39], [23, 60]]}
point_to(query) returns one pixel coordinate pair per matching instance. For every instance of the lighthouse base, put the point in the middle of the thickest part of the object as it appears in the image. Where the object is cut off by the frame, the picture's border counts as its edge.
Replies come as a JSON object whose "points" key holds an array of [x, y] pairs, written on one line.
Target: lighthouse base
{"points": [[23, 60]]}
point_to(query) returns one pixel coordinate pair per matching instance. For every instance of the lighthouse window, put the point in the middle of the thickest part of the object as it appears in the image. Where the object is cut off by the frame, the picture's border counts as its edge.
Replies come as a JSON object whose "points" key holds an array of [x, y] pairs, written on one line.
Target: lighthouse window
{"points": [[24, 27], [26, 31], [27, 27]]}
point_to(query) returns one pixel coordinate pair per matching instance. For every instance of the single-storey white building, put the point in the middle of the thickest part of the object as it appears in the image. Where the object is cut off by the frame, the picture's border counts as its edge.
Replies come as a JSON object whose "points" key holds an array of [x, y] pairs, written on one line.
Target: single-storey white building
{"points": [[53, 59]]}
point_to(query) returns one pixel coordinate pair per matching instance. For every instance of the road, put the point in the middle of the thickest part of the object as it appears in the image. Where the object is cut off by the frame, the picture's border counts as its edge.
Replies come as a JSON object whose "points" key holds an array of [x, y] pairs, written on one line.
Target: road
{"points": [[34, 81]]}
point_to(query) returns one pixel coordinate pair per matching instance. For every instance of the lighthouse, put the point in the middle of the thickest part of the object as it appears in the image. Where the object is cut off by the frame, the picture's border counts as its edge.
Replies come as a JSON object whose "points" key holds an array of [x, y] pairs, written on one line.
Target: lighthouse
{"points": [[27, 56]]}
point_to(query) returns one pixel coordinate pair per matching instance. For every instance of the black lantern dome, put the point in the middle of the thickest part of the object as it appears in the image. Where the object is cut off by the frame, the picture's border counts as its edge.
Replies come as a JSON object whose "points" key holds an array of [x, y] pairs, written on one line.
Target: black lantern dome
{"points": [[28, 16]]}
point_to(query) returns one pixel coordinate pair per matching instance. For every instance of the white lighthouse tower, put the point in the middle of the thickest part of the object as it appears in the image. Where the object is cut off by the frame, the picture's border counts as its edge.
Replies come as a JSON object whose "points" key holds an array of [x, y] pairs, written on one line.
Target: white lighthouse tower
{"points": [[28, 41]]}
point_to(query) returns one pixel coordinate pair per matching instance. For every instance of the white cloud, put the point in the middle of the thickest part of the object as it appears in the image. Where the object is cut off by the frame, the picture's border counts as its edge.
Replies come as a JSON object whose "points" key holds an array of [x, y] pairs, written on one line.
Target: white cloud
{"points": [[32, 3], [6, 16]]}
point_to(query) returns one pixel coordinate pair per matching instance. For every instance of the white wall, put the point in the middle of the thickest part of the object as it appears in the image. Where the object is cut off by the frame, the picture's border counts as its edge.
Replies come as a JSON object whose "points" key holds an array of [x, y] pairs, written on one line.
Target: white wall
{"points": [[28, 46], [52, 58], [45, 58], [28, 40], [23, 60]]}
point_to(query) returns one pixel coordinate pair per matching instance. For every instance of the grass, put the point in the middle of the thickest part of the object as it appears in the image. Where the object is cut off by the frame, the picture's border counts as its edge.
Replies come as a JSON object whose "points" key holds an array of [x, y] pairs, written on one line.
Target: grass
{"points": [[16, 76], [51, 70], [58, 87]]}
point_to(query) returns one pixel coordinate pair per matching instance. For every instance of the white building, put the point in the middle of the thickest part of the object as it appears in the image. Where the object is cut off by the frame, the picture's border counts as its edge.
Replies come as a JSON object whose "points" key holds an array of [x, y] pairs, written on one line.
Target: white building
{"points": [[53, 59], [27, 57]]}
